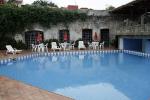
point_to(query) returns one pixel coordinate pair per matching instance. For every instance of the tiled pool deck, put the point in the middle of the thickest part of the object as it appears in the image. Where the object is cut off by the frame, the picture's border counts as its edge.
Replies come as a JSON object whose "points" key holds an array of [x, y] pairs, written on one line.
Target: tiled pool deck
{"points": [[14, 90]]}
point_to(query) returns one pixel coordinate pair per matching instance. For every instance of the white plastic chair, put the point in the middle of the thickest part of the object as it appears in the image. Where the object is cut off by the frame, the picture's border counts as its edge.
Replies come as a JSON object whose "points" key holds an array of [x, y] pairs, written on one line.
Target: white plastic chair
{"points": [[46, 47], [63, 46], [90, 45], [81, 45], [41, 47], [54, 46], [72, 45], [34, 47], [95, 45], [12, 50], [101, 46]]}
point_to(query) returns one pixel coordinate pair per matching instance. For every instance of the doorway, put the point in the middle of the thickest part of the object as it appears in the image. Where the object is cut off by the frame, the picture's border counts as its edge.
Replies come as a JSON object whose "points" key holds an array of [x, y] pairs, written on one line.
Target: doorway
{"points": [[64, 36], [104, 33], [87, 35], [33, 37]]}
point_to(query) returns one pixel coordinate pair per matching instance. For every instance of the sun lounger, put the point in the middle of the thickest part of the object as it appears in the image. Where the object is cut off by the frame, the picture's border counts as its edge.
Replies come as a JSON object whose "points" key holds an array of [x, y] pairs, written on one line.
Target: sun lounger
{"points": [[12, 50]]}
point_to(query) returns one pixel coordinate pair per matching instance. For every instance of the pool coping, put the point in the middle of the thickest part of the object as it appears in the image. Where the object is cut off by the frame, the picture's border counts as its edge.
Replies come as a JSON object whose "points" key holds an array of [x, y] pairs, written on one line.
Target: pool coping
{"points": [[35, 54]]}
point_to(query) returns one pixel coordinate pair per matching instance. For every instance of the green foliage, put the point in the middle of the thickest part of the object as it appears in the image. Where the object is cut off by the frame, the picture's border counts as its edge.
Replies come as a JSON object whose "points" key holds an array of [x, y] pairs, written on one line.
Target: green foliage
{"points": [[20, 45], [15, 19], [110, 7], [11, 1], [10, 41], [114, 42], [44, 3], [76, 42]]}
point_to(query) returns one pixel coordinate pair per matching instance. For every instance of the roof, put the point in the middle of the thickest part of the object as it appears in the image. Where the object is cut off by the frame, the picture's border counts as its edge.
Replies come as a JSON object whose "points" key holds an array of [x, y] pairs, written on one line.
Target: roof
{"points": [[136, 7], [72, 7], [1, 1]]}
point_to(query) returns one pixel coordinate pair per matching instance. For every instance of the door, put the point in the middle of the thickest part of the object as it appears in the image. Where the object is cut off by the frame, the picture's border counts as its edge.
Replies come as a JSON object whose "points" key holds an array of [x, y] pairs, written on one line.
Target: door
{"points": [[64, 36], [104, 33], [87, 35], [33, 37]]}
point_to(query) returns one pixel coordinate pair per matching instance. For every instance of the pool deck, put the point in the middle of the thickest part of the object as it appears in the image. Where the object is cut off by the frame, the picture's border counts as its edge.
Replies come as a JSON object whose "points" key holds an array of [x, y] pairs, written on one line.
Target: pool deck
{"points": [[15, 90]]}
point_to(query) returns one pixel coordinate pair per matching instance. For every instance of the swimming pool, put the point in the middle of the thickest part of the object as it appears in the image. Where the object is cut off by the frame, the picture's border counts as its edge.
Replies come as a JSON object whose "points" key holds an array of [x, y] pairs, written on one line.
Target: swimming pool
{"points": [[86, 76]]}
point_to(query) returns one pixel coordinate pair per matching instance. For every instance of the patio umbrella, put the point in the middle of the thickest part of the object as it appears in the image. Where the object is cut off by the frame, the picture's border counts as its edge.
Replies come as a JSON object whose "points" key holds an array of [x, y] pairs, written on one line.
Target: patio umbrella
{"points": [[95, 36], [65, 36], [39, 38]]}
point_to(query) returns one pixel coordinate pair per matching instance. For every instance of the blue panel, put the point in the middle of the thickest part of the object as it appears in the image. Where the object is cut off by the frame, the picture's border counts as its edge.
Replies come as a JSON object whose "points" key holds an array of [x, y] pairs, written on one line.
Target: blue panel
{"points": [[132, 44], [147, 46]]}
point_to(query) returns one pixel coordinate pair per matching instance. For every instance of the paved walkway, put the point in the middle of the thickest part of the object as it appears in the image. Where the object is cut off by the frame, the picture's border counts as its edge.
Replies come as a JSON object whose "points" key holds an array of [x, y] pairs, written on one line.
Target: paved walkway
{"points": [[14, 90]]}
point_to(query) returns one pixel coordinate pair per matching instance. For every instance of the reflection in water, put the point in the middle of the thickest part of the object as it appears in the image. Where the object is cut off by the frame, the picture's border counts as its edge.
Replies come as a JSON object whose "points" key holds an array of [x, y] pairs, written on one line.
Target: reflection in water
{"points": [[54, 58], [101, 91], [81, 57]]}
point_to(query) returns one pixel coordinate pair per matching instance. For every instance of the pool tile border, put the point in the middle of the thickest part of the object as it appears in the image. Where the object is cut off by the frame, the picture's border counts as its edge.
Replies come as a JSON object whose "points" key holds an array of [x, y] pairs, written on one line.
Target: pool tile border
{"points": [[8, 60]]}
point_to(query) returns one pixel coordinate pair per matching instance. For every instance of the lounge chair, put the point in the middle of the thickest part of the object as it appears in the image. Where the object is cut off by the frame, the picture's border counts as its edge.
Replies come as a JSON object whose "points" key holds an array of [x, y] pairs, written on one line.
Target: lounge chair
{"points": [[54, 46], [81, 45], [12, 50]]}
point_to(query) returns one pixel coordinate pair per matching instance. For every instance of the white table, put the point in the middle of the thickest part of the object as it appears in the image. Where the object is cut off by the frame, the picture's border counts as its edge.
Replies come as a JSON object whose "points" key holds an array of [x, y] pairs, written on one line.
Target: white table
{"points": [[95, 45]]}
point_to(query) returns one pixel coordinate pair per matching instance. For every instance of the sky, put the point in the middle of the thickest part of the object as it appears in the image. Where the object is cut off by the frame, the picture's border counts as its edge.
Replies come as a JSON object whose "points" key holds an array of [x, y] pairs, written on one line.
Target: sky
{"points": [[93, 4]]}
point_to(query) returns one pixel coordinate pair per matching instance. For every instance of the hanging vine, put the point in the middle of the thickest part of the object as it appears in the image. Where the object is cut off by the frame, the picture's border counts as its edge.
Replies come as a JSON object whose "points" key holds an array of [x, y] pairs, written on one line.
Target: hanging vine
{"points": [[16, 19]]}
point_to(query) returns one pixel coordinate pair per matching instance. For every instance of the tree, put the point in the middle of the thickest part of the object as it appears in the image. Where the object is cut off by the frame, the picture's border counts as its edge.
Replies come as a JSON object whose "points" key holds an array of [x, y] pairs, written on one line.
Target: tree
{"points": [[110, 7], [51, 4], [44, 3], [12, 2]]}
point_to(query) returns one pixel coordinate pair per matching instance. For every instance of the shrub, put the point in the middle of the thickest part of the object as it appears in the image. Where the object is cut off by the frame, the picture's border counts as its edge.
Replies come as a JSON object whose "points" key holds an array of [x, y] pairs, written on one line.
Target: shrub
{"points": [[20, 45], [16, 19], [10, 41], [76, 42]]}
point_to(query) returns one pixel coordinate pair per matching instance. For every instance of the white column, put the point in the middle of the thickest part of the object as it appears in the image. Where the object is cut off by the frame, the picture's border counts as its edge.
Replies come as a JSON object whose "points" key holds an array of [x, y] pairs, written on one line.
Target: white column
{"points": [[120, 43]]}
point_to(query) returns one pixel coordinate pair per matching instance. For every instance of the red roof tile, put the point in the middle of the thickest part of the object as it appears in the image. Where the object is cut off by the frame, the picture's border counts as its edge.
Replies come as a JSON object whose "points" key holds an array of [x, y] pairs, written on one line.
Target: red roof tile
{"points": [[72, 7]]}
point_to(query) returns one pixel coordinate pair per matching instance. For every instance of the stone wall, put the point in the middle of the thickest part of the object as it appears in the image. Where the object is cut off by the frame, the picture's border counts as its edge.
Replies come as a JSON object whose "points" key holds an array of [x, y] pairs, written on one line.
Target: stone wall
{"points": [[96, 21]]}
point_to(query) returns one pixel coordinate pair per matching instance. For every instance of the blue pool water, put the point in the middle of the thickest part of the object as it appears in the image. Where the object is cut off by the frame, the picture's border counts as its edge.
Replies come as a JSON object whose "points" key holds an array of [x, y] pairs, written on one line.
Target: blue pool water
{"points": [[116, 76]]}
